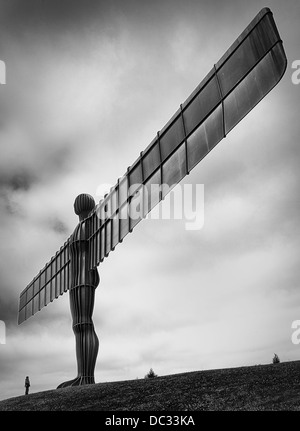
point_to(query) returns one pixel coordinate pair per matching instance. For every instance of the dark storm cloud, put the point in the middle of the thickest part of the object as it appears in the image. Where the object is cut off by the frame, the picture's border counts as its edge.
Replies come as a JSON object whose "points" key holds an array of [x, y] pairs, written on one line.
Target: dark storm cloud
{"points": [[9, 296], [49, 15], [17, 180], [59, 226], [7, 206], [8, 306], [37, 160], [54, 19]]}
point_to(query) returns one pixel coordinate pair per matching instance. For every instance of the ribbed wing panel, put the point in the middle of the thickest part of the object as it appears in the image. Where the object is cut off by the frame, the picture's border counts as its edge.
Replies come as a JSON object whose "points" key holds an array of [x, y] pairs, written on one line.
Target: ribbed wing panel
{"points": [[248, 70], [53, 280]]}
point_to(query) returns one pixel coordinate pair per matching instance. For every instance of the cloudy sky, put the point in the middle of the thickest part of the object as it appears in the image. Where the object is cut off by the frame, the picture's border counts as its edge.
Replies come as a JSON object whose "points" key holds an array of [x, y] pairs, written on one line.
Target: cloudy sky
{"points": [[88, 85]]}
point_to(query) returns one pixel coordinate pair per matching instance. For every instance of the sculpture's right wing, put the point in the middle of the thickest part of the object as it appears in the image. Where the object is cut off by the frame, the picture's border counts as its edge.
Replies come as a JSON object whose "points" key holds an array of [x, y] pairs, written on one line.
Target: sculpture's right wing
{"points": [[248, 70], [53, 280]]}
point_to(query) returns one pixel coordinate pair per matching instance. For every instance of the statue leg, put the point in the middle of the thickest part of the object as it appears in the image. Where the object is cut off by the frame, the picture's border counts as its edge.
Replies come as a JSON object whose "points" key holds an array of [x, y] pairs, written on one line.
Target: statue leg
{"points": [[87, 344]]}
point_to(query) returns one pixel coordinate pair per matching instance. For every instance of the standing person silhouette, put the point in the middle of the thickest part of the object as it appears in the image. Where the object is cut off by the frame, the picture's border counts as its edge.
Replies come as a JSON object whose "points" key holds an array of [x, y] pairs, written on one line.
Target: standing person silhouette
{"points": [[27, 385]]}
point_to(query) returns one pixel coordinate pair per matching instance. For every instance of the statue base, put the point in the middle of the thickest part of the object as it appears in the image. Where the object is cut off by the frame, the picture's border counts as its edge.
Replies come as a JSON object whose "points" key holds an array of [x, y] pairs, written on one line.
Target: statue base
{"points": [[79, 381]]}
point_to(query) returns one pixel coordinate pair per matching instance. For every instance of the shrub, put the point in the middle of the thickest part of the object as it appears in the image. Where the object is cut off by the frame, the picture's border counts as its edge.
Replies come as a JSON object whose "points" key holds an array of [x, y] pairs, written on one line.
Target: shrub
{"points": [[151, 374], [276, 359]]}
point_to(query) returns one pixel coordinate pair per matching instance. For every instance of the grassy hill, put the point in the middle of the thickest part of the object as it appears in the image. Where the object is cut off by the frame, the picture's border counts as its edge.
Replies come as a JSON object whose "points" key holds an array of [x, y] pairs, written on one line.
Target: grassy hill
{"points": [[260, 387]]}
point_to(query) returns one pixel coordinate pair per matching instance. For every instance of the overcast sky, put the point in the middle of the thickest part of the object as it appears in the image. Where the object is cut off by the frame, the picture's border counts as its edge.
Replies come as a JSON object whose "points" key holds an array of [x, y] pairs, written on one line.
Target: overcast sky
{"points": [[88, 85]]}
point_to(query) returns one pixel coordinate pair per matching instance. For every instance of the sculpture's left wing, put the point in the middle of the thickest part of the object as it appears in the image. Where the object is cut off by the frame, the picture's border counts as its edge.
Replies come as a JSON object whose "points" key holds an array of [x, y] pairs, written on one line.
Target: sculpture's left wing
{"points": [[53, 280]]}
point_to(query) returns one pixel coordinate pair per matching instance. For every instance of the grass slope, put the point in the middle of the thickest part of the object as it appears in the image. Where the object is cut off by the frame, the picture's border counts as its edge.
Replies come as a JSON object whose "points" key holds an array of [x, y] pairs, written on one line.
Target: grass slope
{"points": [[260, 387]]}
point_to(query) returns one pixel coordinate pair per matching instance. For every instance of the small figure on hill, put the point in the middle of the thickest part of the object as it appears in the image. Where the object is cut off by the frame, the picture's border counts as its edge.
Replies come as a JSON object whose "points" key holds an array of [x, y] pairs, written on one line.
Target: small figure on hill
{"points": [[276, 359], [27, 385], [151, 374]]}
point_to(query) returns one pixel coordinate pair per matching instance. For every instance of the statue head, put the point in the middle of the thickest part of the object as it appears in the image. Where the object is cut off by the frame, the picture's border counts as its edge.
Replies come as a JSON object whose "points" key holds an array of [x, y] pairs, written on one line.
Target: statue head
{"points": [[83, 205]]}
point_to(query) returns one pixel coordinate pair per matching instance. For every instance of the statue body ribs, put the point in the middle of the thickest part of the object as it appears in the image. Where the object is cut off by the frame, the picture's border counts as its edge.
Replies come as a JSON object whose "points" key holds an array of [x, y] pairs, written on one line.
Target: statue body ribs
{"points": [[82, 294]]}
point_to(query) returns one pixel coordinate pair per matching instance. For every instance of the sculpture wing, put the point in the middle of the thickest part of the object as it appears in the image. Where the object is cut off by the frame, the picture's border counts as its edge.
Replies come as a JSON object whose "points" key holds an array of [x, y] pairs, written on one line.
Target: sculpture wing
{"points": [[53, 280], [247, 71]]}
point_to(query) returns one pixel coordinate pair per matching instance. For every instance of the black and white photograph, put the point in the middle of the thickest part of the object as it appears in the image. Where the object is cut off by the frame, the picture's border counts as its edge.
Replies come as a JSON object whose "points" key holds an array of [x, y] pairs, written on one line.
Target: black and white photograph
{"points": [[149, 208]]}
